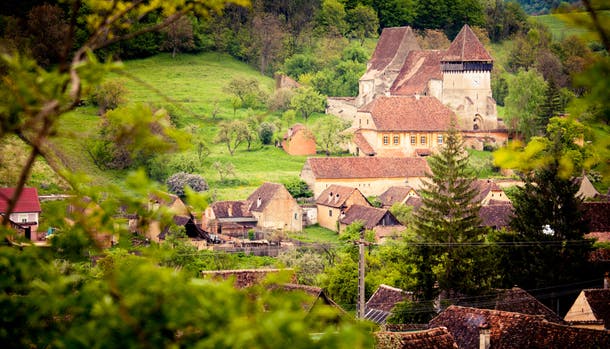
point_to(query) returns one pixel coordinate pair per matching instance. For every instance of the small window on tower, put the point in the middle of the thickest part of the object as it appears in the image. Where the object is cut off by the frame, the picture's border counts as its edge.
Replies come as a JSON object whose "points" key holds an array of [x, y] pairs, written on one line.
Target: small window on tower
{"points": [[413, 140], [422, 139], [386, 140], [396, 140], [440, 139]]}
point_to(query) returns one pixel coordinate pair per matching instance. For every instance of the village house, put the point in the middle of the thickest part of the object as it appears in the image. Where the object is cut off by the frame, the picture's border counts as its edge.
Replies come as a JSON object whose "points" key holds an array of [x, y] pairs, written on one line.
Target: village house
{"points": [[474, 328], [591, 309], [435, 338], [230, 218], [270, 207], [489, 192], [400, 126], [379, 307], [26, 212], [333, 202], [169, 202], [275, 209], [459, 78], [298, 140], [396, 195], [379, 220], [371, 175]]}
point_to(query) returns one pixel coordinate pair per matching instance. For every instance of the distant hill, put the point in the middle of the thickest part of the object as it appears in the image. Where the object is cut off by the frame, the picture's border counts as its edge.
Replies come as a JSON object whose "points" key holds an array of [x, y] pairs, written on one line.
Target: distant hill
{"points": [[538, 7]]}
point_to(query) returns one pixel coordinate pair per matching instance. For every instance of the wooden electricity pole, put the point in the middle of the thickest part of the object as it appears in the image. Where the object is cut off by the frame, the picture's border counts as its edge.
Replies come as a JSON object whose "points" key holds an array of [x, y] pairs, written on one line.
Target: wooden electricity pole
{"points": [[361, 244]]}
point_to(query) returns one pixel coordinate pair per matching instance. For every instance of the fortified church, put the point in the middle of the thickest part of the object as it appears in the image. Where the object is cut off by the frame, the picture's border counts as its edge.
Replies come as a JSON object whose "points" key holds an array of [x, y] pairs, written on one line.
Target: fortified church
{"points": [[408, 96]]}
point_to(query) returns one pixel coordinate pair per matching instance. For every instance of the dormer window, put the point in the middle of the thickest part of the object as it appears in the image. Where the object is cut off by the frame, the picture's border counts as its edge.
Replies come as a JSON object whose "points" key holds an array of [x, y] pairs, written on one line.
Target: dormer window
{"points": [[259, 201]]}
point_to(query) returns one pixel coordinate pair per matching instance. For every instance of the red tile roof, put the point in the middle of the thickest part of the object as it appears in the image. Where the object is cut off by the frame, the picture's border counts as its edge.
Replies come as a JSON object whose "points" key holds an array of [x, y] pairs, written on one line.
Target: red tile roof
{"points": [[515, 330], [386, 297], [496, 216], [389, 44], [362, 144], [599, 301], [230, 209], [394, 195], [466, 47], [370, 216], [265, 193], [436, 338], [335, 195], [518, 300], [27, 201], [419, 68], [368, 167], [409, 113], [598, 216]]}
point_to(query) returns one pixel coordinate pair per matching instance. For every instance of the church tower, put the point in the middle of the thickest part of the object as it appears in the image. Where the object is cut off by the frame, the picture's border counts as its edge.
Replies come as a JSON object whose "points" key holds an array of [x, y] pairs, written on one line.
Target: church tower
{"points": [[466, 68]]}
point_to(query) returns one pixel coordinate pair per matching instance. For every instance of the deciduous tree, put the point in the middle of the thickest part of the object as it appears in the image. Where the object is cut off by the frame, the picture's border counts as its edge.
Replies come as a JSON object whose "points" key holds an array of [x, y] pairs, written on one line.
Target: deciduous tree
{"points": [[232, 134], [330, 135], [307, 101], [178, 36]]}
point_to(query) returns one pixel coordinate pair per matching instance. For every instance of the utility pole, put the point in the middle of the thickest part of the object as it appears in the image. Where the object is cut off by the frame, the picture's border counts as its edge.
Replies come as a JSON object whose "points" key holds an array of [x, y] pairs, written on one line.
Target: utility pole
{"points": [[361, 244]]}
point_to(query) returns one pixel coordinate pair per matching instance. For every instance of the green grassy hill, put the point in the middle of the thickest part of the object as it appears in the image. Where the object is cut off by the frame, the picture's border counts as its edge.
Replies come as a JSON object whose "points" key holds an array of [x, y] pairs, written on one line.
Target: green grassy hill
{"points": [[188, 86], [560, 28]]}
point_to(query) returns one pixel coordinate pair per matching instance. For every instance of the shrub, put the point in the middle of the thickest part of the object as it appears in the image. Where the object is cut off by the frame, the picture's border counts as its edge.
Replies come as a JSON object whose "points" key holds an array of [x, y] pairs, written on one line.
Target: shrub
{"points": [[280, 100], [298, 188], [110, 95], [178, 181], [265, 132]]}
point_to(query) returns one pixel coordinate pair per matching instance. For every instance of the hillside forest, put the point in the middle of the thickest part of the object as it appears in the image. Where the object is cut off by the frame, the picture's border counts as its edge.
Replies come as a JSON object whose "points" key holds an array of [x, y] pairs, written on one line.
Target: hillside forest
{"points": [[115, 101]]}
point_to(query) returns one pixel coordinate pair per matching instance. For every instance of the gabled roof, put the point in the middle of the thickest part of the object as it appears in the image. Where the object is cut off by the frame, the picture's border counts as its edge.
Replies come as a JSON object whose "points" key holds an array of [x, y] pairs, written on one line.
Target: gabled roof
{"points": [[296, 128], [416, 202], [362, 144], [515, 330], [409, 113], [497, 215], [394, 195], [27, 201], [192, 229], [484, 187], [392, 42], [261, 197], [466, 47], [599, 301], [419, 68], [598, 215], [231, 209], [436, 338], [316, 292], [370, 216], [335, 196], [367, 167], [518, 300], [386, 297]]}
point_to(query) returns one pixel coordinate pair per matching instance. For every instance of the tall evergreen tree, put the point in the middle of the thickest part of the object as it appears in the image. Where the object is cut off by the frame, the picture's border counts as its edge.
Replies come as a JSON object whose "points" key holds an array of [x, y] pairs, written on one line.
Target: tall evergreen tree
{"points": [[447, 224]]}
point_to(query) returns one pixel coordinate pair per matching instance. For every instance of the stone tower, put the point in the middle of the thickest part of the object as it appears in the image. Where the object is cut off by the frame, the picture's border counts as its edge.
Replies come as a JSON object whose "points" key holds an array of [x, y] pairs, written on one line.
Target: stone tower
{"points": [[466, 69]]}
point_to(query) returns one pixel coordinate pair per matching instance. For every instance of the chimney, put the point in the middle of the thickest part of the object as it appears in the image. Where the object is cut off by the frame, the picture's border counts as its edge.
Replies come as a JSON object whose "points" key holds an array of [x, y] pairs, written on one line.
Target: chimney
{"points": [[417, 96], [336, 197], [484, 336], [259, 201], [330, 196], [230, 210], [606, 280]]}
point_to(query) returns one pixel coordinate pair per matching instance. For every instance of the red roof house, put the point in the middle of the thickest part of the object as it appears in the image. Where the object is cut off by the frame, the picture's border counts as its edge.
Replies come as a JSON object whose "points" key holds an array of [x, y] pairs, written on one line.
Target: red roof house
{"points": [[26, 211]]}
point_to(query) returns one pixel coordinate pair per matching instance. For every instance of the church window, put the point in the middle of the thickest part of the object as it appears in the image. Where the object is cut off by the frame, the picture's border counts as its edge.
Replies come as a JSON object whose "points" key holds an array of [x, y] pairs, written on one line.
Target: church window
{"points": [[386, 140], [439, 139], [396, 140], [422, 140], [413, 140]]}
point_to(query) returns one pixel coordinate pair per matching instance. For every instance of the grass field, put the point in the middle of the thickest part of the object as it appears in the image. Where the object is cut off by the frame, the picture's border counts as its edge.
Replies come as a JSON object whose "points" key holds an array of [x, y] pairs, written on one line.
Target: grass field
{"points": [[316, 233], [561, 28]]}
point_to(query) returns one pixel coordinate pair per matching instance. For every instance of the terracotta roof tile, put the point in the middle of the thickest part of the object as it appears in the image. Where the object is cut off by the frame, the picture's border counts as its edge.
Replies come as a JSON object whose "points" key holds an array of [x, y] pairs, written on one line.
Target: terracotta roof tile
{"points": [[389, 44], [27, 202], [466, 47], [419, 68], [370, 216], [599, 301], [436, 338], [386, 297], [598, 215], [362, 144], [265, 194], [515, 330], [294, 130], [409, 113], [416, 202], [484, 187], [230, 209], [368, 167], [335, 195], [394, 195], [518, 300], [496, 216]]}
